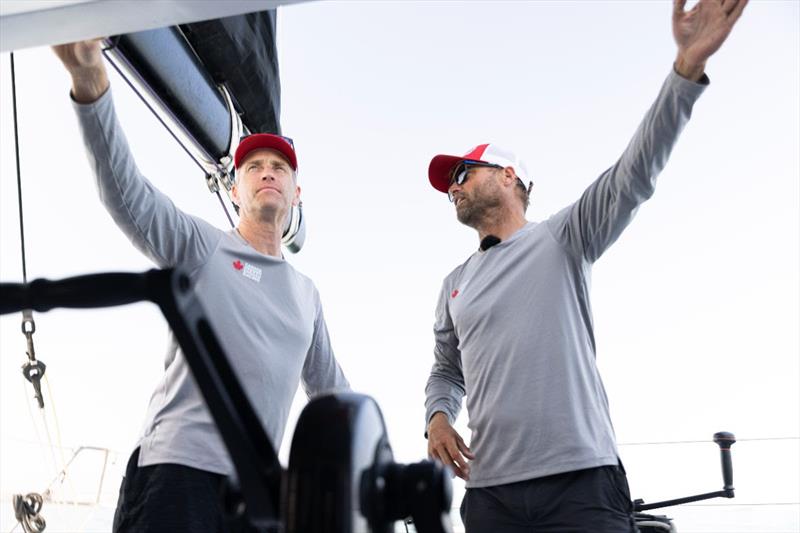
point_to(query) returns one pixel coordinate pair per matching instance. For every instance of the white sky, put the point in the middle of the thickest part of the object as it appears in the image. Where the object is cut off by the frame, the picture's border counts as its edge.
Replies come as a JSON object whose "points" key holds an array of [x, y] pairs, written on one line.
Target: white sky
{"points": [[696, 307]]}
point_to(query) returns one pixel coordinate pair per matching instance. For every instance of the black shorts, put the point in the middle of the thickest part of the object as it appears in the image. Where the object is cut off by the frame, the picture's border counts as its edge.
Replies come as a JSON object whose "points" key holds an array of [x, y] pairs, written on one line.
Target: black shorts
{"points": [[169, 498], [595, 499]]}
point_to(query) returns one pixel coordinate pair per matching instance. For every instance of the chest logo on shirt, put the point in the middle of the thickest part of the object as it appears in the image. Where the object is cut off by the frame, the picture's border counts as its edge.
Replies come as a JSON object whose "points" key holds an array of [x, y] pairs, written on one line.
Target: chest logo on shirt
{"points": [[454, 293], [249, 271]]}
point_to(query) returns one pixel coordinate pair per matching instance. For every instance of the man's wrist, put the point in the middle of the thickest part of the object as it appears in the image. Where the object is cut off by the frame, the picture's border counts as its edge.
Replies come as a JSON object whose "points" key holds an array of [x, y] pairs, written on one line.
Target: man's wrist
{"points": [[437, 415], [88, 84], [689, 70]]}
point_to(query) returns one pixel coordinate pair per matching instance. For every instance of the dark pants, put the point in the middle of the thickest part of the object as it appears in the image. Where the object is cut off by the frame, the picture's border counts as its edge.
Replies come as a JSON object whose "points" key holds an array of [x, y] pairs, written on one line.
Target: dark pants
{"points": [[169, 498], [595, 499]]}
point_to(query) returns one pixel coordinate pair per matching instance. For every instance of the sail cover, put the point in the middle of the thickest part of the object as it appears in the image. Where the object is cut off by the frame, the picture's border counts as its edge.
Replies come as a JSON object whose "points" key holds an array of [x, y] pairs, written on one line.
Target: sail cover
{"points": [[183, 70], [240, 53]]}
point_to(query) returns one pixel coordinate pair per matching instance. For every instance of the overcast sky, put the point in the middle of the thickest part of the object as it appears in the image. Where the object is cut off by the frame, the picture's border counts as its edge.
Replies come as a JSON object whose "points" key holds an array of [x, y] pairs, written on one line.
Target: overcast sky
{"points": [[695, 307]]}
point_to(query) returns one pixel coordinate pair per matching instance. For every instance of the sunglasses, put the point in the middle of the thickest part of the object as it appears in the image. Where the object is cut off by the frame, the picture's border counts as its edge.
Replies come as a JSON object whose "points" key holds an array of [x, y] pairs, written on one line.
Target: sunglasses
{"points": [[461, 172]]}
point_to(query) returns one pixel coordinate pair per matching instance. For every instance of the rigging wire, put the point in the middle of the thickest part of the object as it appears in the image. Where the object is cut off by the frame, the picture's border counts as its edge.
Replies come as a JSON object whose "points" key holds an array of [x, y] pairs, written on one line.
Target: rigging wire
{"points": [[153, 111], [753, 439], [759, 504], [27, 508], [33, 370], [158, 117], [225, 208], [19, 178]]}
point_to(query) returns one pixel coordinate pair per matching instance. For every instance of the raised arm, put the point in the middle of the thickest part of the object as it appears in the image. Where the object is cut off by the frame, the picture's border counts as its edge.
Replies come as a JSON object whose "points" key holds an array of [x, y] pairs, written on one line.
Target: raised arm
{"points": [[148, 218], [84, 62], [590, 225]]}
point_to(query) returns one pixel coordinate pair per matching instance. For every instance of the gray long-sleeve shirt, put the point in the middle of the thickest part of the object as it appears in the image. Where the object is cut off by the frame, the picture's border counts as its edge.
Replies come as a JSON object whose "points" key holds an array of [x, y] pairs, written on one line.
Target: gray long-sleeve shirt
{"points": [[514, 328], [268, 315]]}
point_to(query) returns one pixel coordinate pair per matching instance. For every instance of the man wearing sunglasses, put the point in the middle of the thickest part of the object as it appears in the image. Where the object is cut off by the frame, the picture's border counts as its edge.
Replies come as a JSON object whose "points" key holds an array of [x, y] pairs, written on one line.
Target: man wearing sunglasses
{"points": [[268, 315], [514, 329]]}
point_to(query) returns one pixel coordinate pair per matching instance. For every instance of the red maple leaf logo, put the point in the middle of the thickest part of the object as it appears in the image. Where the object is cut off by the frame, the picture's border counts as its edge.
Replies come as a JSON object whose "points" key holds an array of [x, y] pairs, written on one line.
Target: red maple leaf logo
{"points": [[238, 265], [454, 293]]}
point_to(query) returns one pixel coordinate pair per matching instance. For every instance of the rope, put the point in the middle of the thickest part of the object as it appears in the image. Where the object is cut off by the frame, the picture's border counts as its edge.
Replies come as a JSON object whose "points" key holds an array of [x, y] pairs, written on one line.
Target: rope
{"points": [[26, 511], [60, 447], [43, 449], [59, 468]]}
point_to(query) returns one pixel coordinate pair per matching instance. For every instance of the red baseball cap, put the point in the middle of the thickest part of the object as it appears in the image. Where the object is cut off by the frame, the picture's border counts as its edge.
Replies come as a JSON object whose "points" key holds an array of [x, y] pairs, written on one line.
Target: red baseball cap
{"points": [[491, 154], [257, 141]]}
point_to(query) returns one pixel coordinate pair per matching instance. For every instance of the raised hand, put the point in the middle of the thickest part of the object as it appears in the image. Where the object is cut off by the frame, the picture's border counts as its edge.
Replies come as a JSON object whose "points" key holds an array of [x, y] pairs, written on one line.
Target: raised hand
{"points": [[83, 54], [701, 31], [84, 62], [447, 446]]}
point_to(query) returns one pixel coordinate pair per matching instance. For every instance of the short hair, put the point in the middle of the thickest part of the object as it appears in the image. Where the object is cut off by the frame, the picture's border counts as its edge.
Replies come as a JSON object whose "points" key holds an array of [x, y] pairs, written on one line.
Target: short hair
{"points": [[523, 193]]}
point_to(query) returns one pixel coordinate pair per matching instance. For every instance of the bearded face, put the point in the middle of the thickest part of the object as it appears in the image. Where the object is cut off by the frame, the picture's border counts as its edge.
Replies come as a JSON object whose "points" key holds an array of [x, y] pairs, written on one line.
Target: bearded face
{"points": [[474, 205]]}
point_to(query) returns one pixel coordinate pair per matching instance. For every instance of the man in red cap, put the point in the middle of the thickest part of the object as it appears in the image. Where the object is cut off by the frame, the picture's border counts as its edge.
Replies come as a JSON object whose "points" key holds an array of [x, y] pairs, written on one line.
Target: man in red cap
{"points": [[514, 329], [268, 315]]}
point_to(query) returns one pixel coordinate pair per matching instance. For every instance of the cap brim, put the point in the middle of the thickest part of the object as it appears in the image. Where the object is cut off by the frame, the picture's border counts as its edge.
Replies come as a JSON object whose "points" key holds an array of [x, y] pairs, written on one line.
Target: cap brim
{"points": [[260, 141], [439, 171]]}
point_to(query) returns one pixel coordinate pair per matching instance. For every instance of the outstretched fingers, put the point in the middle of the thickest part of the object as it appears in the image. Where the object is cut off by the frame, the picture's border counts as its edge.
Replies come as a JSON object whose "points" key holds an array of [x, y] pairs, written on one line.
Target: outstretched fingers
{"points": [[736, 10]]}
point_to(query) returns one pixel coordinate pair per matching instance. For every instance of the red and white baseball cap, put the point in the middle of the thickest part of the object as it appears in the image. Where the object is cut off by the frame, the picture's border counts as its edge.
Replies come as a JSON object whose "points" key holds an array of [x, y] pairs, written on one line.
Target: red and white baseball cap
{"points": [[491, 154], [257, 141]]}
